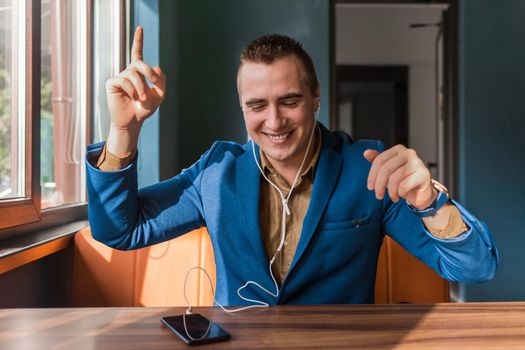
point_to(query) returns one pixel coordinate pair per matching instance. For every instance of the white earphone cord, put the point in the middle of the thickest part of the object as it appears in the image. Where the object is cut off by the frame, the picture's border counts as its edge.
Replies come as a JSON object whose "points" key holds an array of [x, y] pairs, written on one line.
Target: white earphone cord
{"points": [[285, 212]]}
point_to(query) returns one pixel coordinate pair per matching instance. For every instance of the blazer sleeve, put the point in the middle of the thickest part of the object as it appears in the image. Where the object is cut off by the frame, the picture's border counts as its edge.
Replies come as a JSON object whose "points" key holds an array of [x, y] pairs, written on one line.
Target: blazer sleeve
{"points": [[124, 217], [470, 257]]}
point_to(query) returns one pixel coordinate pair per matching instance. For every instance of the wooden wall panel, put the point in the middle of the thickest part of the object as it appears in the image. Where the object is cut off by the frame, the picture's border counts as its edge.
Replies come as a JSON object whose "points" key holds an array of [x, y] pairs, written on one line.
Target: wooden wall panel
{"points": [[43, 283]]}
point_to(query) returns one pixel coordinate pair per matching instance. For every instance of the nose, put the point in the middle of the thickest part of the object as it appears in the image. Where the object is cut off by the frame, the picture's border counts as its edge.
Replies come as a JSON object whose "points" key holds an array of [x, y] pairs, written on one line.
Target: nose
{"points": [[274, 120]]}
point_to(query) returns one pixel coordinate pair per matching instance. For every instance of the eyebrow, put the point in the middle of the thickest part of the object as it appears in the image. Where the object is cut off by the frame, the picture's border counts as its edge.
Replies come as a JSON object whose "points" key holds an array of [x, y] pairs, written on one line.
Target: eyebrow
{"points": [[290, 95], [254, 101]]}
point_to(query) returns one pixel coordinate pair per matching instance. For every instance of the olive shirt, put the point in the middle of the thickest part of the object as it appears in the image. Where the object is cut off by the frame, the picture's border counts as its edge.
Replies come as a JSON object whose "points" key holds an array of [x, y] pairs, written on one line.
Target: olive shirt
{"points": [[271, 207], [271, 210]]}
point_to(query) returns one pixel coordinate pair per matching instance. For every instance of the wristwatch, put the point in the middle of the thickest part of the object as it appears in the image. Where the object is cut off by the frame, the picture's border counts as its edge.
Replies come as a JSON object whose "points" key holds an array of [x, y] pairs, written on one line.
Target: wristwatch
{"points": [[440, 200]]}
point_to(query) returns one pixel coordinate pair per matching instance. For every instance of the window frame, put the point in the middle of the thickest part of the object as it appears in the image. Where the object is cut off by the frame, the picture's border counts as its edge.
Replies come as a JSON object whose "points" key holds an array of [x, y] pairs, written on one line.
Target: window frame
{"points": [[23, 215], [17, 211]]}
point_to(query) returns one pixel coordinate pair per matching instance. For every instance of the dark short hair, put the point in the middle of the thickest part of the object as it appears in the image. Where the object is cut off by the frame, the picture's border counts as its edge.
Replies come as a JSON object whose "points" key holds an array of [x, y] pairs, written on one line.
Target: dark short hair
{"points": [[271, 47]]}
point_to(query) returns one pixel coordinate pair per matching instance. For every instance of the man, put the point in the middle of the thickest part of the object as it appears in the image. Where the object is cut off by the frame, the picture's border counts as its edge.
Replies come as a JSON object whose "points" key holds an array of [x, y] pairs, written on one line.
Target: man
{"points": [[300, 210]]}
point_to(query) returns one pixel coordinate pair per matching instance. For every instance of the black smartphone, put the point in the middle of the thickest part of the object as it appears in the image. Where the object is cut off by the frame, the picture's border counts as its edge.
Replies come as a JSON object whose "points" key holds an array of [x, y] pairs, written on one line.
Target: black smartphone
{"points": [[195, 329]]}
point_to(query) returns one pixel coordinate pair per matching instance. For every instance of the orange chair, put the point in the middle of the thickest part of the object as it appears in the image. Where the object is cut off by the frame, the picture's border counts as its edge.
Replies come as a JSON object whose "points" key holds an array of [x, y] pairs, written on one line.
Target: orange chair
{"points": [[154, 276], [402, 278]]}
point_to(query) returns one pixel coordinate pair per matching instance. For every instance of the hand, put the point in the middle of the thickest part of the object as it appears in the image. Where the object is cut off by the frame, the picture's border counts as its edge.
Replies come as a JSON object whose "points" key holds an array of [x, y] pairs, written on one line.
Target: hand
{"points": [[130, 99], [400, 171]]}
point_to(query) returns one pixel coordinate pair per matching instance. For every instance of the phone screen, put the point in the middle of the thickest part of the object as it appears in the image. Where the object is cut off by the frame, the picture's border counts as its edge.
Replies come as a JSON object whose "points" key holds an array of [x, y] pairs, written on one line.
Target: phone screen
{"points": [[198, 330]]}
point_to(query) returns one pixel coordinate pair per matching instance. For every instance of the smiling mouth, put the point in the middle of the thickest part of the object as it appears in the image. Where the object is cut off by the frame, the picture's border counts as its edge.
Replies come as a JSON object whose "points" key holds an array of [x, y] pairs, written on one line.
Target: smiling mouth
{"points": [[278, 137]]}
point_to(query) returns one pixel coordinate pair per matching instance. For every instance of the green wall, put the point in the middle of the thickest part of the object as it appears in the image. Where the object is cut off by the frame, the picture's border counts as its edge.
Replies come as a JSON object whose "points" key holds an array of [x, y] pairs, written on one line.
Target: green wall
{"points": [[200, 43], [492, 134]]}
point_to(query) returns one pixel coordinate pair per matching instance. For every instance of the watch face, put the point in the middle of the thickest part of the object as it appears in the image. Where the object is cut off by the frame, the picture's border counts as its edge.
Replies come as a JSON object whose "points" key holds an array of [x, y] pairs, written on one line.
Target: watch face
{"points": [[439, 186]]}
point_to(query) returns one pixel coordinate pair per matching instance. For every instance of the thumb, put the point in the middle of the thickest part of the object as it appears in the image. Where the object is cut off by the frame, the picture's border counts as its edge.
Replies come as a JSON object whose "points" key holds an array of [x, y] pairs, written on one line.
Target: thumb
{"points": [[370, 155]]}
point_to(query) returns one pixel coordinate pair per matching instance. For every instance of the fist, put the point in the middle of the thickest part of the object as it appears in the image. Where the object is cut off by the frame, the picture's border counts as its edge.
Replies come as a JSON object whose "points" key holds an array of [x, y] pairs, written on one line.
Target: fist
{"points": [[403, 174]]}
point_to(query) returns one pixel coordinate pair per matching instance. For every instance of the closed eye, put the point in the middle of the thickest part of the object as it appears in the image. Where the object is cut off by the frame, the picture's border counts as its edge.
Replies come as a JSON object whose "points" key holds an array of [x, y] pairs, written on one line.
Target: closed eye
{"points": [[257, 107], [293, 102]]}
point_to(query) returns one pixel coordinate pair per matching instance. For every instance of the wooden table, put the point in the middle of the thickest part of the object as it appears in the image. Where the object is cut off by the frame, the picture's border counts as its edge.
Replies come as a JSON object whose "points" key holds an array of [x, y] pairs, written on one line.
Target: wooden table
{"points": [[439, 326]]}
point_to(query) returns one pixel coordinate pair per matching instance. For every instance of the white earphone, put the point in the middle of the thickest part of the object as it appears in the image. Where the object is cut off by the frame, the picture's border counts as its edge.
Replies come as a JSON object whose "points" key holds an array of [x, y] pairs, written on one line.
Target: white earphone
{"points": [[285, 212]]}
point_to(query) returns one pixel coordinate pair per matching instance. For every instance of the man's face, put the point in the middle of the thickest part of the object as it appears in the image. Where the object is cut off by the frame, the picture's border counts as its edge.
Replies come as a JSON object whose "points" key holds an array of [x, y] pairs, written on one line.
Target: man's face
{"points": [[278, 109]]}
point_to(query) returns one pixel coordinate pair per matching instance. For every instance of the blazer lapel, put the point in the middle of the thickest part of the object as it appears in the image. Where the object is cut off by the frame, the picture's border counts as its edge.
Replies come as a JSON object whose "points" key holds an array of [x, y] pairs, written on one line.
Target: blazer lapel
{"points": [[326, 176], [248, 190]]}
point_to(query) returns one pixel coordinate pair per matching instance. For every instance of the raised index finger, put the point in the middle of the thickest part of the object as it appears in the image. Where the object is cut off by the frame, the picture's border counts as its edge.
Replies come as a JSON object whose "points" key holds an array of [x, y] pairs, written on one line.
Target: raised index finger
{"points": [[136, 48]]}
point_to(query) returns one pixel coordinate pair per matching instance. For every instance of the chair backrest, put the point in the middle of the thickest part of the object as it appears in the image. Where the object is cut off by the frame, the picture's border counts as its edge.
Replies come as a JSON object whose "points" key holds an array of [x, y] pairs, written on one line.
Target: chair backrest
{"points": [[154, 276]]}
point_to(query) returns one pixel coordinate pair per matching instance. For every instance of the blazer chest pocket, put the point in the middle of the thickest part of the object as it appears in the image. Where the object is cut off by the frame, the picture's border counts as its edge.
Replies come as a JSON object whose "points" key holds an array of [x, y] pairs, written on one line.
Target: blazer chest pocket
{"points": [[345, 225]]}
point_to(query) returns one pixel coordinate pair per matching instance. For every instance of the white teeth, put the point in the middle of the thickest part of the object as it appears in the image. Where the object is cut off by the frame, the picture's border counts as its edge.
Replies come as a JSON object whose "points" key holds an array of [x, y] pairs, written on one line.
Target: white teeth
{"points": [[277, 137]]}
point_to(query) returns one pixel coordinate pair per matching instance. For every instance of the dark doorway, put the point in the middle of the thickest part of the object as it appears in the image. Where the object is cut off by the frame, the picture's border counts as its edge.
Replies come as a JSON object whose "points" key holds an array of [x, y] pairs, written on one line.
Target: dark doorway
{"points": [[436, 141], [373, 102]]}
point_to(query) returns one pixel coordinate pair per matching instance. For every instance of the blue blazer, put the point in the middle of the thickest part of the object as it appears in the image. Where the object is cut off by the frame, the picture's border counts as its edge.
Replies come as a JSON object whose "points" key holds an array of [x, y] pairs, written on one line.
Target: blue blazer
{"points": [[336, 257]]}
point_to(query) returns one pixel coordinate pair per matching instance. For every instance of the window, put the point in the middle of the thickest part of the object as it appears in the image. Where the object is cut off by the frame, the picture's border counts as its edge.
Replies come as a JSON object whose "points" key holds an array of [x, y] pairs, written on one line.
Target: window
{"points": [[12, 95], [19, 201], [64, 96], [50, 83], [108, 57]]}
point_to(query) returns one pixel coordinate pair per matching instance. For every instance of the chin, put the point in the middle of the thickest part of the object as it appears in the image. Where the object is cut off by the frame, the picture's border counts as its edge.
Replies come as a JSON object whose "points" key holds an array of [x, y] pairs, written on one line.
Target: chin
{"points": [[279, 155]]}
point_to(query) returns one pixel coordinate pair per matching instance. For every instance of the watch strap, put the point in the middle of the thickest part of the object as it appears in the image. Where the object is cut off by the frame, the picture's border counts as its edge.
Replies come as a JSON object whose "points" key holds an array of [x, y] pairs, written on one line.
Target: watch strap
{"points": [[437, 204]]}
